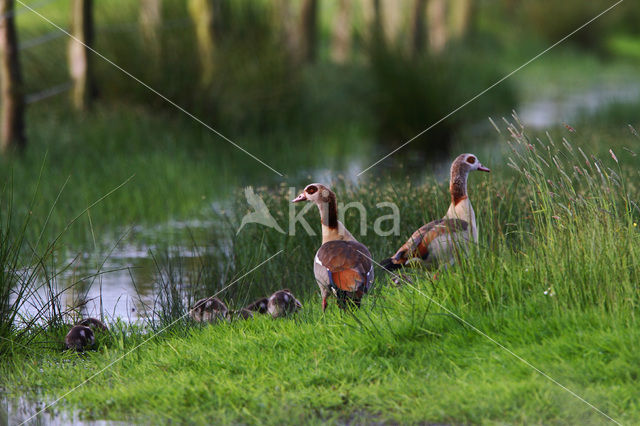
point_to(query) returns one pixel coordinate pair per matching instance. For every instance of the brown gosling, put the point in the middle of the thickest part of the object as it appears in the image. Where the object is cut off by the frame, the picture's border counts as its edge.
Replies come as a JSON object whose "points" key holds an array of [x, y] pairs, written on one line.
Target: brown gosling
{"points": [[94, 324], [209, 309], [79, 338], [243, 313], [282, 303], [259, 305]]}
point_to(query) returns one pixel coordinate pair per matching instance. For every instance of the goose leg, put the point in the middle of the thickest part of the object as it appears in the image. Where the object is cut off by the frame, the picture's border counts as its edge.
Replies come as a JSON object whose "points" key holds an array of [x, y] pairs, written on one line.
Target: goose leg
{"points": [[324, 292]]}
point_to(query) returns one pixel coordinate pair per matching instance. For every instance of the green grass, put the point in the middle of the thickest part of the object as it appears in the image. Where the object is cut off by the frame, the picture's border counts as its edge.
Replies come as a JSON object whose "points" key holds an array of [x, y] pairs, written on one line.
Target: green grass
{"points": [[403, 357], [316, 368]]}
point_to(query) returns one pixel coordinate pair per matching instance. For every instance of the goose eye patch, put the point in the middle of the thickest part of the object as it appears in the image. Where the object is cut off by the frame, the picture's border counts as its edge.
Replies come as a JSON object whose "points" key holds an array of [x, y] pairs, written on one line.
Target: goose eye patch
{"points": [[471, 160], [311, 190]]}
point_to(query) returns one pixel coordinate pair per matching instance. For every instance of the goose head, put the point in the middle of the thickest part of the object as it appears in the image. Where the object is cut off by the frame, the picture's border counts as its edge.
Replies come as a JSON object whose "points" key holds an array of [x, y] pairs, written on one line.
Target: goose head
{"points": [[466, 163], [316, 193], [460, 169], [325, 199]]}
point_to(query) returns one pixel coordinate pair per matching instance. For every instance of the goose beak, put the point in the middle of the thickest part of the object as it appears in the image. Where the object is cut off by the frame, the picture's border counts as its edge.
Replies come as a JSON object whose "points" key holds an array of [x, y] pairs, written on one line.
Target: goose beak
{"points": [[301, 197], [483, 168]]}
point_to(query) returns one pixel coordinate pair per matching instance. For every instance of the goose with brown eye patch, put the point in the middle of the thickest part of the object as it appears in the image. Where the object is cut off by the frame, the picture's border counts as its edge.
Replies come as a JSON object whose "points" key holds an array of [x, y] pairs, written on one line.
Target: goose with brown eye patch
{"points": [[342, 265], [437, 242]]}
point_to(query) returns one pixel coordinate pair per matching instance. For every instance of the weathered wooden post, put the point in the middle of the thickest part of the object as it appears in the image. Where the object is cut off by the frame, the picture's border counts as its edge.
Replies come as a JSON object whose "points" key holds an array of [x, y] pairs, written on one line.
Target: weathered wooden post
{"points": [[12, 115], [460, 18], [437, 27], [203, 16], [309, 30], [150, 23], [341, 39], [80, 61], [418, 34]]}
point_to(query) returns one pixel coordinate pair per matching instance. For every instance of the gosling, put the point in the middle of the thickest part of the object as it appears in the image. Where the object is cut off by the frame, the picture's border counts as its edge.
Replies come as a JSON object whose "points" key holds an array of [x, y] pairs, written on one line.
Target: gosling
{"points": [[243, 313], [209, 310], [283, 303], [259, 305], [79, 338], [94, 324]]}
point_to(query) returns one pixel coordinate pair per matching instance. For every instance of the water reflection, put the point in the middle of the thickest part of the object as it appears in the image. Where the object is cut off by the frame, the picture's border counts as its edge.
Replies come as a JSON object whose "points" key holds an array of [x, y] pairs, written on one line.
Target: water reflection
{"points": [[121, 283], [15, 411]]}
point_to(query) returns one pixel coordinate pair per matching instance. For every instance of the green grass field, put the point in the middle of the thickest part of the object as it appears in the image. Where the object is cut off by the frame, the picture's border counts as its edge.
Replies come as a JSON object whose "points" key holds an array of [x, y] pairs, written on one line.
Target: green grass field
{"points": [[405, 363]]}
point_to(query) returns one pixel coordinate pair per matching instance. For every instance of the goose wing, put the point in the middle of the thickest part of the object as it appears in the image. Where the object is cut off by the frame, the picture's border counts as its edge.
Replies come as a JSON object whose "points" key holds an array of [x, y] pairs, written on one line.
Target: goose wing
{"points": [[417, 246], [348, 264]]}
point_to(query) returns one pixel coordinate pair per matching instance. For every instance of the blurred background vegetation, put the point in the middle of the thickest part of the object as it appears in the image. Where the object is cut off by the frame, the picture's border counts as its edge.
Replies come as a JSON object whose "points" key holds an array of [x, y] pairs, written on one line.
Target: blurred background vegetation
{"points": [[316, 89]]}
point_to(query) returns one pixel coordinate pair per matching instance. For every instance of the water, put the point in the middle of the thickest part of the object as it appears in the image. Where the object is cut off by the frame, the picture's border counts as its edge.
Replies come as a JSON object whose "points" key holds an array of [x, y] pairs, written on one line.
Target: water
{"points": [[120, 283], [14, 411], [564, 108]]}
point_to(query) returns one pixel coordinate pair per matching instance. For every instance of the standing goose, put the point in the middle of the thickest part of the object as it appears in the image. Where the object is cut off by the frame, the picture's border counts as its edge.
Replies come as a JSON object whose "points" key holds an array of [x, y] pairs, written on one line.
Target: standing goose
{"points": [[342, 265], [436, 242]]}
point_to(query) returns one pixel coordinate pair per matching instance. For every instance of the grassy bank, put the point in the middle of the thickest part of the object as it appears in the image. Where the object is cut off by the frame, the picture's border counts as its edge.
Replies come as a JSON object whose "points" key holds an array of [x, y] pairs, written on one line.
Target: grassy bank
{"points": [[417, 367], [554, 279]]}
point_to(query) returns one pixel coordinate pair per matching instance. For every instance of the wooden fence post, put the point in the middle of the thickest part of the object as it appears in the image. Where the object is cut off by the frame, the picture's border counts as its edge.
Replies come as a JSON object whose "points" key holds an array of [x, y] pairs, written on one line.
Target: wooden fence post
{"points": [[418, 34], [308, 30], [341, 37], [150, 23], [203, 16], [80, 61], [12, 115]]}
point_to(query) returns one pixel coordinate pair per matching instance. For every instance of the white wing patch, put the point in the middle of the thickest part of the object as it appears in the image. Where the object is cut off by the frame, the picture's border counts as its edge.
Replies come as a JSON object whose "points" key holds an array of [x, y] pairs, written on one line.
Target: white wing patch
{"points": [[317, 260]]}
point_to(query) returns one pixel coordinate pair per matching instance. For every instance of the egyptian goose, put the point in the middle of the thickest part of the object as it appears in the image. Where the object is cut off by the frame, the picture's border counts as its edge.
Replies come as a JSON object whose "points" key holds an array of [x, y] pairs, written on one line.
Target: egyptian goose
{"points": [[94, 324], [208, 310], [282, 303], [342, 265], [259, 305], [435, 243], [79, 338]]}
